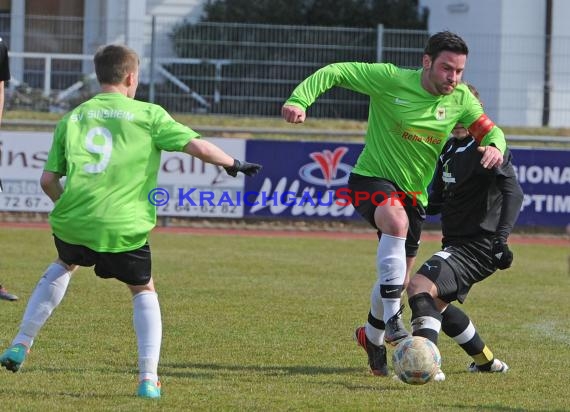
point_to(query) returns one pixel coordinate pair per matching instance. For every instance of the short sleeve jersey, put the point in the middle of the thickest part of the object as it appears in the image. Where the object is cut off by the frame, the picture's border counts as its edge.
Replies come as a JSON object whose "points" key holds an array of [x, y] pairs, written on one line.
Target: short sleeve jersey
{"points": [[109, 150], [407, 126]]}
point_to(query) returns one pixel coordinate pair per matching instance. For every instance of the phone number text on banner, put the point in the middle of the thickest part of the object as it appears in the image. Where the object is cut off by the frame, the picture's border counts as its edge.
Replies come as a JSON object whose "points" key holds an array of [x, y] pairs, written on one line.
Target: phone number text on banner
{"points": [[194, 188]]}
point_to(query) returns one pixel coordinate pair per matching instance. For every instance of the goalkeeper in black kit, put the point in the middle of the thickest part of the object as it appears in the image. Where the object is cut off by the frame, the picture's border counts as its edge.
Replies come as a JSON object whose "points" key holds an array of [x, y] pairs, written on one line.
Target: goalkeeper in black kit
{"points": [[478, 209]]}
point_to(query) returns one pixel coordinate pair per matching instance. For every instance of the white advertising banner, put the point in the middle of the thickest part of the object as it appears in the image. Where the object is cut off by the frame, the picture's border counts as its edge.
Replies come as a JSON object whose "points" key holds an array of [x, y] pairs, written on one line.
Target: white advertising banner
{"points": [[189, 187], [186, 185], [22, 159]]}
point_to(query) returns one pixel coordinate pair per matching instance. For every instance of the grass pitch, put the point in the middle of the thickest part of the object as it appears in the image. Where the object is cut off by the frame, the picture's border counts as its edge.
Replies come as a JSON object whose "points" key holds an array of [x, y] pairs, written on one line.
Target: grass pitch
{"points": [[265, 324]]}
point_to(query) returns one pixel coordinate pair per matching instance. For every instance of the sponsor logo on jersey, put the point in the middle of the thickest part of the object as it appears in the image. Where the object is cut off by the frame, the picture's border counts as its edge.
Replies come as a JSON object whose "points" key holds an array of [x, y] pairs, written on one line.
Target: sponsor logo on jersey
{"points": [[446, 176], [440, 113], [418, 135]]}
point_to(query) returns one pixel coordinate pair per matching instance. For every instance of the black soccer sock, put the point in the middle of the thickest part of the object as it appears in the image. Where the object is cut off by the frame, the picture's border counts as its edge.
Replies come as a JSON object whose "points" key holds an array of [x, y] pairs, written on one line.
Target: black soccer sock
{"points": [[426, 319], [457, 325], [375, 330], [377, 323]]}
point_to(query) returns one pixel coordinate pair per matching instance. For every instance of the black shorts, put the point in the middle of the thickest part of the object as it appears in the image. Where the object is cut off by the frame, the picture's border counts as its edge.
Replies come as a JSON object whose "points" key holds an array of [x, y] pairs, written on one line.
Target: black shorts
{"points": [[379, 191], [132, 267], [456, 268]]}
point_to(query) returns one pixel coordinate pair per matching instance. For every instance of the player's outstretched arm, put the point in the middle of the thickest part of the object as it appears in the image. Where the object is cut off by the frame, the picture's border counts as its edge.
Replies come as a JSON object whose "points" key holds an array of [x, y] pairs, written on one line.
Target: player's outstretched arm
{"points": [[210, 153]]}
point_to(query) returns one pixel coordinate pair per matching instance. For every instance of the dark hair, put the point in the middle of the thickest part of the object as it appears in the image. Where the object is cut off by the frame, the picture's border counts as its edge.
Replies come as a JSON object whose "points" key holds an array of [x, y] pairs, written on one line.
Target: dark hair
{"points": [[473, 90], [445, 41], [114, 62]]}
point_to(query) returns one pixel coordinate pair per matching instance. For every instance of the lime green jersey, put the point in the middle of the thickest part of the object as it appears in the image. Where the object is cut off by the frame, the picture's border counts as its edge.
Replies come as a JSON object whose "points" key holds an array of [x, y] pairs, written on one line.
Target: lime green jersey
{"points": [[407, 126], [109, 150]]}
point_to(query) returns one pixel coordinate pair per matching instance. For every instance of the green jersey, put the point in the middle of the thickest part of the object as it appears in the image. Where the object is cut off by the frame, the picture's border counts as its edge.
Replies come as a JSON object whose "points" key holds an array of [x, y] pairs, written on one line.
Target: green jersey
{"points": [[407, 126], [109, 148]]}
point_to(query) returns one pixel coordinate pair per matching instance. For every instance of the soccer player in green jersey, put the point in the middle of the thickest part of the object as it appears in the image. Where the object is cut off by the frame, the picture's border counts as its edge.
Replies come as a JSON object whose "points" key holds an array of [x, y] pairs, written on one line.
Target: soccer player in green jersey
{"points": [[411, 114], [109, 150]]}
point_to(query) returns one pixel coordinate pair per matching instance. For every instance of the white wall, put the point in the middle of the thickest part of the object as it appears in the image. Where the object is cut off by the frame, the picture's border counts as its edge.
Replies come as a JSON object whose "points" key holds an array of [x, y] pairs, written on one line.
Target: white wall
{"points": [[128, 22], [113, 21], [560, 79], [168, 13], [480, 34], [521, 57], [184, 9], [505, 39]]}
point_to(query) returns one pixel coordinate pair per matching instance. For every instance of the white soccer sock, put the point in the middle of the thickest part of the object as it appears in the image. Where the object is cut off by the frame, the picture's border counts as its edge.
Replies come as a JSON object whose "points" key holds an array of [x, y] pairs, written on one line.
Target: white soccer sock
{"points": [[391, 266], [148, 328], [375, 335], [47, 295]]}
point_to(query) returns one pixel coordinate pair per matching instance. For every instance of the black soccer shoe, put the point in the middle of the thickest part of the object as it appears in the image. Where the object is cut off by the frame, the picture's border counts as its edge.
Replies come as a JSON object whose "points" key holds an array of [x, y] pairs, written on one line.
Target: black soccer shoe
{"points": [[395, 330], [376, 354]]}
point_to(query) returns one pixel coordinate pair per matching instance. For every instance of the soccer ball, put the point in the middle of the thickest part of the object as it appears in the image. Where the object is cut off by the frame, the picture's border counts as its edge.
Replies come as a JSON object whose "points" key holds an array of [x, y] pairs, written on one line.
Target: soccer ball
{"points": [[416, 360]]}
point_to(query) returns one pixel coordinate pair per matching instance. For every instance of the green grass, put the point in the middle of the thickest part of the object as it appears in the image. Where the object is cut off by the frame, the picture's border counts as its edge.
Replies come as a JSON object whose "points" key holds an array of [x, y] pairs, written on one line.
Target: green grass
{"points": [[265, 324]]}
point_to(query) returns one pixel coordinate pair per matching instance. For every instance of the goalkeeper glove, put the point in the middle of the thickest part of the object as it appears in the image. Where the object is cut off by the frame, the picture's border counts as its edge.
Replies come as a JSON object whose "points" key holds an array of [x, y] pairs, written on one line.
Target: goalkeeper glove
{"points": [[501, 254], [248, 169]]}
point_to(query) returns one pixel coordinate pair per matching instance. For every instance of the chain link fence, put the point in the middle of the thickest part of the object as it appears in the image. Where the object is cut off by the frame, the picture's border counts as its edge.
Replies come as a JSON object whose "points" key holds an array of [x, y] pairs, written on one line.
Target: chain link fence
{"points": [[250, 69]]}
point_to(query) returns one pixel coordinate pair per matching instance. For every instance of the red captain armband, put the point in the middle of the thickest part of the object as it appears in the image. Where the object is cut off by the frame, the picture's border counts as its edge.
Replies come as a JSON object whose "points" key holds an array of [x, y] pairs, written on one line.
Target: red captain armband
{"points": [[480, 127]]}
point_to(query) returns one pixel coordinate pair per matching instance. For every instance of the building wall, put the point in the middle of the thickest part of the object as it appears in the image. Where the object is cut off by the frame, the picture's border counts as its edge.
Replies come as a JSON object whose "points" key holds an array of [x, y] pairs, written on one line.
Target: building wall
{"points": [[560, 81], [506, 40], [521, 62], [507, 52], [113, 21], [187, 9], [166, 14]]}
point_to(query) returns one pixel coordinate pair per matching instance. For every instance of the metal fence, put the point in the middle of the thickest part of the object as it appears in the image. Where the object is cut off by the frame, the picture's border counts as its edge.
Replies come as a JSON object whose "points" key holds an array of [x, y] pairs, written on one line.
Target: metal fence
{"points": [[250, 69], [240, 69]]}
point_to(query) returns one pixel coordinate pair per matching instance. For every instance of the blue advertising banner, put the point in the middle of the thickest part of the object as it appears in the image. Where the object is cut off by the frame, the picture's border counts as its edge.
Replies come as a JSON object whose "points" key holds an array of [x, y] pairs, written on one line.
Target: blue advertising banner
{"points": [[305, 180], [300, 179], [544, 176]]}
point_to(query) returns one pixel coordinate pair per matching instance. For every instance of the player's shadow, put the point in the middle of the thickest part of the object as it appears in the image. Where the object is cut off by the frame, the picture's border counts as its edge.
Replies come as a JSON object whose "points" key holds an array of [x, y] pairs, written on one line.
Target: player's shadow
{"points": [[213, 371], [494, 407], [205, 369]]}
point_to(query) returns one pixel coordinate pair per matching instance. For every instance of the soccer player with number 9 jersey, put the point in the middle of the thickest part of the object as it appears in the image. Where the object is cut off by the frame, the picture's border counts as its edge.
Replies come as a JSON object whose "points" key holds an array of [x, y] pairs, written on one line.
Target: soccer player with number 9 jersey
{"points": [[109, 149]]}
